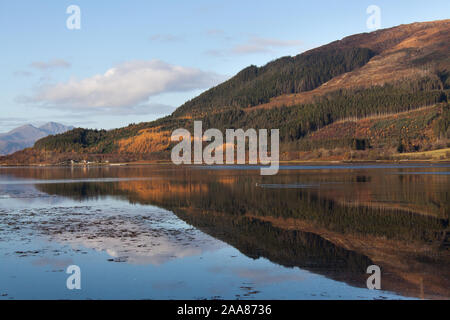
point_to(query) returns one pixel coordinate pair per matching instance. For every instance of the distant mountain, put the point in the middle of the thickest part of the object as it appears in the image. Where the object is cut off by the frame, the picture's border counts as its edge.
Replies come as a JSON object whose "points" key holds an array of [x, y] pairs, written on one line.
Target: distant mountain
{"points": [[26, 135], [55, 128]]}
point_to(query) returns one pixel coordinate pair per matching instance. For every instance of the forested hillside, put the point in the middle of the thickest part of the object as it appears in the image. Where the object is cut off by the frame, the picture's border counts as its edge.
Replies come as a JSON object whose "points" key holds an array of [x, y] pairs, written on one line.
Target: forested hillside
{"points": [[253, 86]]}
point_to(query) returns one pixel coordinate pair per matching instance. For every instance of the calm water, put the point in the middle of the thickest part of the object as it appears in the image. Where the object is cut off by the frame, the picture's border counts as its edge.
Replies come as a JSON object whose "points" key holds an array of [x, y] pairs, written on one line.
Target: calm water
{"points": [[164, 232]]}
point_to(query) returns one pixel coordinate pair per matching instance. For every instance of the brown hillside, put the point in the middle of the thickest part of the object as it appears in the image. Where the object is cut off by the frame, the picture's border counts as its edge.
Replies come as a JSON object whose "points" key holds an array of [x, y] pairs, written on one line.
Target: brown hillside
{"points": [[415, 125], [146, 141], [407, 51]]}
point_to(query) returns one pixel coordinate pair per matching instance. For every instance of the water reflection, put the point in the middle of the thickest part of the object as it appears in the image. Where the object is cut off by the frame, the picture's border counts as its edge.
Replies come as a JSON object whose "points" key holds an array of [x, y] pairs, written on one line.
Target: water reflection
{"points": [[333, 222]]}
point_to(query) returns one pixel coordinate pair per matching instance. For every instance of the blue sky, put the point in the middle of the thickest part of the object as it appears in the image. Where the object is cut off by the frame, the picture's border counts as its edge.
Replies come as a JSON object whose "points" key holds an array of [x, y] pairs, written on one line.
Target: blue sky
{"points": [[135, 61]]}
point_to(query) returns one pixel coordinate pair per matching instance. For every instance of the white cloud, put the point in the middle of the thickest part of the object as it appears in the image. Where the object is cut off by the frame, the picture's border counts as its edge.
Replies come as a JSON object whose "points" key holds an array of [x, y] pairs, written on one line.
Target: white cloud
{"points": [[125, 85], [251, 46], [258, 45], [52, 64]]}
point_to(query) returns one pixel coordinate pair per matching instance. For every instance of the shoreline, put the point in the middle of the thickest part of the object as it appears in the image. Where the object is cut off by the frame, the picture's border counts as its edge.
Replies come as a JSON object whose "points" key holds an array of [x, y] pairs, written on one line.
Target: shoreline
{"points": [[281, 163]]}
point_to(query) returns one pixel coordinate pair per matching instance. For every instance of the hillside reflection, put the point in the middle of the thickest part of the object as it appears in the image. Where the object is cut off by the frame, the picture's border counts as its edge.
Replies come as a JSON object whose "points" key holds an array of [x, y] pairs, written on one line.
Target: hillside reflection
{"points": [[331, 222]]}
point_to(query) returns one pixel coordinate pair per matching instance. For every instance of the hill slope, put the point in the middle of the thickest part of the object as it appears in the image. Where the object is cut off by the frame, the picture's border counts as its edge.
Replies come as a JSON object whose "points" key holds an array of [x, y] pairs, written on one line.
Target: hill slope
{"points": [[386, 72]]}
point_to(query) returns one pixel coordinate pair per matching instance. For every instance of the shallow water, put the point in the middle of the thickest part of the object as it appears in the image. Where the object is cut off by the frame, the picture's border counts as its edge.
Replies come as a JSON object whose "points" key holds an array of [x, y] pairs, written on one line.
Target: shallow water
{"points": [[165, 232]]}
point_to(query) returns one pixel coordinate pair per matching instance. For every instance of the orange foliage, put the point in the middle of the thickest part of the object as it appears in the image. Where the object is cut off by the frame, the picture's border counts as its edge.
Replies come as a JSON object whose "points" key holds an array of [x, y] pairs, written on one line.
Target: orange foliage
{"points": [[148, 140]]}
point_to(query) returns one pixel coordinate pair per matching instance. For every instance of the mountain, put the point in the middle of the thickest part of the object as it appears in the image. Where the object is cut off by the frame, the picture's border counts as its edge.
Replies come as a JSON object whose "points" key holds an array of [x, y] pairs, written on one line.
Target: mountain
{"points": [[410, 51], [55, 128], [26, 135], [378, 95]]}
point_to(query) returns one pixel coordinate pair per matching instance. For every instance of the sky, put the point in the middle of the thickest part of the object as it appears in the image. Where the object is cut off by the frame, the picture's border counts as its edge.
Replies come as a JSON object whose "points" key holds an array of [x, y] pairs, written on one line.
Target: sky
{"points": [[133, 61]]}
